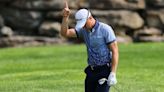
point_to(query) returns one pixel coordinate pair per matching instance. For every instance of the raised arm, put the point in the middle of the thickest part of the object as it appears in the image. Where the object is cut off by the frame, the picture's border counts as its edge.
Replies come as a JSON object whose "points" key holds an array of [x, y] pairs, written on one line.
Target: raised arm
{"points": [[65, 31]]}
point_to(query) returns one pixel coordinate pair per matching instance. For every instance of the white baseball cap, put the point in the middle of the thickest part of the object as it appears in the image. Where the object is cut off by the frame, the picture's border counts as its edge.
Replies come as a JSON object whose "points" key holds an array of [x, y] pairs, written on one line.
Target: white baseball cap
{"points": [[81, 17]]}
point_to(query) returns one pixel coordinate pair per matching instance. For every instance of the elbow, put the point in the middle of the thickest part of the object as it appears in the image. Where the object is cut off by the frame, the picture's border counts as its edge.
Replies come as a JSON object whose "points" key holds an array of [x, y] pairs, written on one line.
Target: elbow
{"points": [[62, 32], [115, 52], [63, 35]]}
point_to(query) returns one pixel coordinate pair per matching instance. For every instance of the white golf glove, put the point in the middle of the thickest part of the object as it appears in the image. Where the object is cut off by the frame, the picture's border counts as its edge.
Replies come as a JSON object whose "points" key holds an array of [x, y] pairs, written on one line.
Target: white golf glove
{"points": [[112, 79]]}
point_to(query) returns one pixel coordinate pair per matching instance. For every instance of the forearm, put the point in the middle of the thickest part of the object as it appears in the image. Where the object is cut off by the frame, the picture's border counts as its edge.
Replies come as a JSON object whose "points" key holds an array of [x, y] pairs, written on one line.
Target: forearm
{"points": [[115, 57], [112, 76], [64, 26]]}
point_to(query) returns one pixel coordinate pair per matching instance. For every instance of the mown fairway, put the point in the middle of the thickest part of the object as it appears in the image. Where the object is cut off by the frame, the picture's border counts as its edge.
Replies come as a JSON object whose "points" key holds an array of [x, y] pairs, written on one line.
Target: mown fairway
{"points": [[60, 68]]}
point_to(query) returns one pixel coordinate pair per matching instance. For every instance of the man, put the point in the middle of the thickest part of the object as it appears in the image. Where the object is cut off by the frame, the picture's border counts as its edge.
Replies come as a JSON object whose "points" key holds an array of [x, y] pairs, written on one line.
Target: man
{"points": [[101, 45]]}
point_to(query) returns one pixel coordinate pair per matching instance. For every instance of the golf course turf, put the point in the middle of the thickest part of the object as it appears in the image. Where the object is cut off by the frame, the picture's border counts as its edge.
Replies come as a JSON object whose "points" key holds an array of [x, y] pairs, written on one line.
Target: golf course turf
{"points": [[59, 68]]}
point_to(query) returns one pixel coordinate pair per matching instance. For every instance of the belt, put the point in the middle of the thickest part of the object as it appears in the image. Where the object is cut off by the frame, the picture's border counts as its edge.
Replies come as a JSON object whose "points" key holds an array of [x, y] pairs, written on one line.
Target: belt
{"points": [[100, 66]]}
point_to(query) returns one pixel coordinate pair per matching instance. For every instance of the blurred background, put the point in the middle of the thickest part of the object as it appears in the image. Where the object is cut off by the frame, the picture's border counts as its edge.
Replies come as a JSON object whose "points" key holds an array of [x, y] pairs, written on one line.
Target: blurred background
{"points": [[38, 22]]}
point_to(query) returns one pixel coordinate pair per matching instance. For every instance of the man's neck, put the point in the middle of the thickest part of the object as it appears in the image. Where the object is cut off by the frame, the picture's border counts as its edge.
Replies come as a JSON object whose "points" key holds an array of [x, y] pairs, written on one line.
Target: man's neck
{"points": [[93, 23]]}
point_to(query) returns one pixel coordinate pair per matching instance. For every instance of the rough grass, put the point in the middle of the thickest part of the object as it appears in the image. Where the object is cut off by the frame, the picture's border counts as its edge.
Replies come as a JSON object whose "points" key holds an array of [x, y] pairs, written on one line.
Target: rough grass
{"points": [[60, 68]]}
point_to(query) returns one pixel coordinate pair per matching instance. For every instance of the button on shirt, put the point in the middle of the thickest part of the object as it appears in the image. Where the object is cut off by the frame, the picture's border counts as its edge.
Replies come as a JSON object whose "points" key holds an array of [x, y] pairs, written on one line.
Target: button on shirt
{"points": [[97, 41]]}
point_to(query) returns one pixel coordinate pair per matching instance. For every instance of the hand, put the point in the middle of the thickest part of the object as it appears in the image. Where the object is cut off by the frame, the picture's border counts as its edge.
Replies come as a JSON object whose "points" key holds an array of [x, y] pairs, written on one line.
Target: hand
{"points": [[112, 79], [66, 10]]}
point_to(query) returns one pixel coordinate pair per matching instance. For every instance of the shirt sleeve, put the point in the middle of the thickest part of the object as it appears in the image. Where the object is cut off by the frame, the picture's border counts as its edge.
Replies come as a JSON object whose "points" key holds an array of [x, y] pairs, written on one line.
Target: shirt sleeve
{"points": [[109, 34]]}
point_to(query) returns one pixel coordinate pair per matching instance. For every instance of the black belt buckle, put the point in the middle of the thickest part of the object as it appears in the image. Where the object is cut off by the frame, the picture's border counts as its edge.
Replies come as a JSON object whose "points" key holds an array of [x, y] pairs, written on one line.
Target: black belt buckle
{"points": [[92, 67], [108, 64]]}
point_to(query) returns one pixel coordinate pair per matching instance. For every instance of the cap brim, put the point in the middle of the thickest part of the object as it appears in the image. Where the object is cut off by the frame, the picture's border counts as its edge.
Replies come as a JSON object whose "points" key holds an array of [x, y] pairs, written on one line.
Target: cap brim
{"points": [[80, 24]]}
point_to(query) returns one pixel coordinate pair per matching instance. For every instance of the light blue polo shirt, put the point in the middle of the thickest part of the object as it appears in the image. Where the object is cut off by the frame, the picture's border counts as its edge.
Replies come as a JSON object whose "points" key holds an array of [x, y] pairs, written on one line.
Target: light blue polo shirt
{"points": [[97, 41]]}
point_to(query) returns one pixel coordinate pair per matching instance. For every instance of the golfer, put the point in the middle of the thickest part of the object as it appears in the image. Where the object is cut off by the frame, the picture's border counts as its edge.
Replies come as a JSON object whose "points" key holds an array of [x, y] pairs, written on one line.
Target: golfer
{"points": [[101, 46]]}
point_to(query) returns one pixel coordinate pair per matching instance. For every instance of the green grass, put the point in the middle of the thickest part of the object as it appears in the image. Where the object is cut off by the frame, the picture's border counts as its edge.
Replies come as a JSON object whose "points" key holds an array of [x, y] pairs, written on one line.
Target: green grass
{"points": [[60, 68]]}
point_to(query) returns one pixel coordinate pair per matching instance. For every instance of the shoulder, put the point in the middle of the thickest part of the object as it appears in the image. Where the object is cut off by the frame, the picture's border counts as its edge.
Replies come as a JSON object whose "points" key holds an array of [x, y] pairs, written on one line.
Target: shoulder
{"points": [[105, 27]]}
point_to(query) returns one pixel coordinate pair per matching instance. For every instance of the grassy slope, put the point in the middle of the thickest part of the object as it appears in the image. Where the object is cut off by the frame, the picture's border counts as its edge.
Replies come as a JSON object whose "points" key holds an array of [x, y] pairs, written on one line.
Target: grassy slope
{"points": [[60, 68]]}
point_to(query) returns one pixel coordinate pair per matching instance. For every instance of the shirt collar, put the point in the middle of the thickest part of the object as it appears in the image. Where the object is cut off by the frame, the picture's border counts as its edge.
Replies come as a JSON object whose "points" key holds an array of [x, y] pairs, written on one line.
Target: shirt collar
{"points": [[95, 26]]}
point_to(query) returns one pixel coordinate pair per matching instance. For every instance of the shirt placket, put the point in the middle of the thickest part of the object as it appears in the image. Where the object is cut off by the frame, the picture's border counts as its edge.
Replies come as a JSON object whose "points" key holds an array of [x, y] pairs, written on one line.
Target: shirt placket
{"points": [[90, 40]]}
